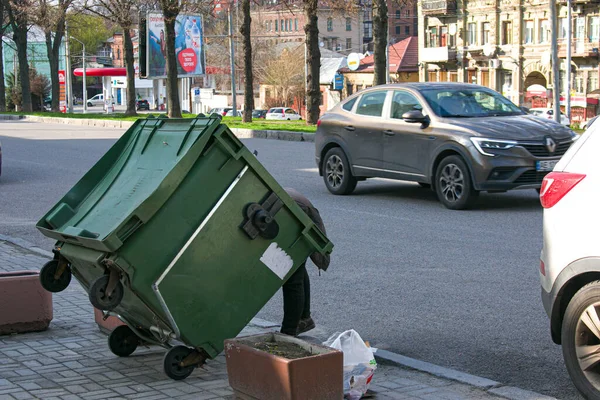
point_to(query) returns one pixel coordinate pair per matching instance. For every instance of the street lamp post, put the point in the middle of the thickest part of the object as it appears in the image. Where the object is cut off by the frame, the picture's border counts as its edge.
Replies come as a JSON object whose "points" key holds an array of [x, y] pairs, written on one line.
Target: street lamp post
{"points": [[84, 75]]}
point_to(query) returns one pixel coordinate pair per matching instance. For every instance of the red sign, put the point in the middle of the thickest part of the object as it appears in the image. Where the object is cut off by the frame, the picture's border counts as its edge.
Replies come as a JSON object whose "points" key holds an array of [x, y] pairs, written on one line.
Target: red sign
{"points": [[61, 77], [188, 60]]}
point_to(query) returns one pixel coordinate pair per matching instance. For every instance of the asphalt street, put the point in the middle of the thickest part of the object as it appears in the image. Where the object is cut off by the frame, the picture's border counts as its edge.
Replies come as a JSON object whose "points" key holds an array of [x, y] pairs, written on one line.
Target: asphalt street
{"points": [[456, 288]]}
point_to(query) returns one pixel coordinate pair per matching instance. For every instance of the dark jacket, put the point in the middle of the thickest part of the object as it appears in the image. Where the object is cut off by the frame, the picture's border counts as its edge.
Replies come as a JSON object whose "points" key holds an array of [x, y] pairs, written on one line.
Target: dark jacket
{"points": [[320, 260]]}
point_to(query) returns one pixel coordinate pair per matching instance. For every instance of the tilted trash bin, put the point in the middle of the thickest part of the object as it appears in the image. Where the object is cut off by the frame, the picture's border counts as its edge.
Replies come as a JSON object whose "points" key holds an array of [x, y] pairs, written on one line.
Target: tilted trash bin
{"points": [[181, 232]]}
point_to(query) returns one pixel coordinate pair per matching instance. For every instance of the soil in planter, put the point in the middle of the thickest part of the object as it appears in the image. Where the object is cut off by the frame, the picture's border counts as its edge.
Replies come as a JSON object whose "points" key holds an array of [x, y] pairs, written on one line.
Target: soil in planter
{"points": [[287, 350]]}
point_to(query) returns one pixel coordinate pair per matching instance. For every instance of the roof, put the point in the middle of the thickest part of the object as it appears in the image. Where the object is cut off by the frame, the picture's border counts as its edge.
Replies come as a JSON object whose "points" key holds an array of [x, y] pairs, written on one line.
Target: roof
{"points": [[329, 67], [404, 57]]}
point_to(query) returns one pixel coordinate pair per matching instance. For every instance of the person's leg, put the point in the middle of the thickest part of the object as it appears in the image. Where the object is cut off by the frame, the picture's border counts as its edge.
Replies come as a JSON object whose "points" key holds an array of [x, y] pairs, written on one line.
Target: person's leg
{"points": [[293, 302], [306, 310]]}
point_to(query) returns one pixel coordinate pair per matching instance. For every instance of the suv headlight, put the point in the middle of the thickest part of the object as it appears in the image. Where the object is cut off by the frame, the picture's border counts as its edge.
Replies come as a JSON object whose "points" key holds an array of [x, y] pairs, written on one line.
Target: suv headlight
{"points": [[481, 144]]}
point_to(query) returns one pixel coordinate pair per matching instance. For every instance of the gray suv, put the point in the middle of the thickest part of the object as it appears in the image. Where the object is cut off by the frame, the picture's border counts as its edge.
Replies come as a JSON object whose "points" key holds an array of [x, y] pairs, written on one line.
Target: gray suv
{"points": [[459, 139]]}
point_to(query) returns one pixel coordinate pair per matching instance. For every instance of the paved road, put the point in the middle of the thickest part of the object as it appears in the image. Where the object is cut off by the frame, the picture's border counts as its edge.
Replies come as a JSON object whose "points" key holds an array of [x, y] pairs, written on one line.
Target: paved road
{"points": [[455, 288]]}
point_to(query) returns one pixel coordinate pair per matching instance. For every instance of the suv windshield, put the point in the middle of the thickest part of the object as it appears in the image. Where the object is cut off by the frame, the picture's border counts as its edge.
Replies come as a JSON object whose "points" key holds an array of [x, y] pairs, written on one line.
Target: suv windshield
{"points": [[469, 103]]}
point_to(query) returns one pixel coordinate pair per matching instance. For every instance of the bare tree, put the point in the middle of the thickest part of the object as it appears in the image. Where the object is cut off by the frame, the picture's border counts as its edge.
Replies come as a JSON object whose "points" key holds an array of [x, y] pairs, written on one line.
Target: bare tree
{"points": [[3, 26], [380, 32], [123, 13], [50, 15], [19, 21], [249, 78], [284, 75]]}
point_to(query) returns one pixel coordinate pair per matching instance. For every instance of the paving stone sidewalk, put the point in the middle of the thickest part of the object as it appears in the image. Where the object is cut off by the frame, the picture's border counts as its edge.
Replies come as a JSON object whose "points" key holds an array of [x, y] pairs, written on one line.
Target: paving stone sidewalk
{"points": [[71, 360]]}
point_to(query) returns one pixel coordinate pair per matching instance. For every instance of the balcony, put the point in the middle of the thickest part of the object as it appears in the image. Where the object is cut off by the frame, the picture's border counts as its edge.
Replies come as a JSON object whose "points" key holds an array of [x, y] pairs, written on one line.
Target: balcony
{"points": [[437, 54], [438, 7], [579, 48]]}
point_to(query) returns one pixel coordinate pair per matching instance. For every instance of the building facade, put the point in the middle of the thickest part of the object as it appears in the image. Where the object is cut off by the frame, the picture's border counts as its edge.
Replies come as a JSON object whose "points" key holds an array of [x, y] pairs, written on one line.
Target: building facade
{"points": [[505, 45]]}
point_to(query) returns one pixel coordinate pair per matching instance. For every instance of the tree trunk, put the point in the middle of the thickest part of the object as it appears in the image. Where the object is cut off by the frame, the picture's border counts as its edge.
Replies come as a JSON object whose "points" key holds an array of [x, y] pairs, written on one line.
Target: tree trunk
{"points": [[52, 50], [380, 33], [130, 71], [249, 79], [174, 108], [2, 86], [313, 59], [20, 39]]}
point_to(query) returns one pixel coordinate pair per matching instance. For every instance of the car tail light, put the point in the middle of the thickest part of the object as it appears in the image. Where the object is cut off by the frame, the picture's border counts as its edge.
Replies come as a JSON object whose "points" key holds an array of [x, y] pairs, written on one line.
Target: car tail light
{"points": [[556, 185], [318, 123], [542, 268]]}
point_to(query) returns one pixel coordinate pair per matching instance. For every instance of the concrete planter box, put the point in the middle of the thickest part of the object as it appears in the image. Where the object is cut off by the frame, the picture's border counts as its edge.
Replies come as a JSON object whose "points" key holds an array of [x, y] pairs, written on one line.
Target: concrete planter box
{"points": [[260, 375], [106, 325], [24, 305]]}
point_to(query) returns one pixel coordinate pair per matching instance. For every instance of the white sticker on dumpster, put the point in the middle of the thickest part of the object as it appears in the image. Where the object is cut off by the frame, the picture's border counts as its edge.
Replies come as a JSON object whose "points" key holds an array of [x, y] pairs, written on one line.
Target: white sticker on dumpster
{"points": [[277, 260]]}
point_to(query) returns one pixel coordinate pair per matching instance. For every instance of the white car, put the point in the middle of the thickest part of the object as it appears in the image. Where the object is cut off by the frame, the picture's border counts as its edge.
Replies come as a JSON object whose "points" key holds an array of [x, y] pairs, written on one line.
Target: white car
{"points": [[239, 113], [548, 113], [570, 259], [283, 114], [97, 100]]}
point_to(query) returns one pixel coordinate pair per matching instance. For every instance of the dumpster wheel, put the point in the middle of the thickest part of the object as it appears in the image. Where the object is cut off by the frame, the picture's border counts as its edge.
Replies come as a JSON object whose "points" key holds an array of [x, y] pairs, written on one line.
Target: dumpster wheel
{"points": [[180, 362], [101, 298], [55, 275], [122, 341]]}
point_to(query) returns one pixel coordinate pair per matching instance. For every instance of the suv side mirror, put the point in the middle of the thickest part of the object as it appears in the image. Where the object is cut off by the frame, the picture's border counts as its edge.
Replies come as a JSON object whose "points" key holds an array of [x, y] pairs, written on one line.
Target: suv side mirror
{"points": [[414, 117]]}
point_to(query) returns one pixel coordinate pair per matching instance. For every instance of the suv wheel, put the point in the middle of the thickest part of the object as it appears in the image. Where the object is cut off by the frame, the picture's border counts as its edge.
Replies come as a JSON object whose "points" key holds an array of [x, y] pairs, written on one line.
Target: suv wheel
{"points": [[453, 184], [581, 340], [336, 172]]}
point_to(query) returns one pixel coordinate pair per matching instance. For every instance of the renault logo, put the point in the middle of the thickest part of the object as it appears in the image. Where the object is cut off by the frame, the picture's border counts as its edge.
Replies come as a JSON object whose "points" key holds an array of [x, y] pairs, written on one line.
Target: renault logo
{"points": [[550, 144]]}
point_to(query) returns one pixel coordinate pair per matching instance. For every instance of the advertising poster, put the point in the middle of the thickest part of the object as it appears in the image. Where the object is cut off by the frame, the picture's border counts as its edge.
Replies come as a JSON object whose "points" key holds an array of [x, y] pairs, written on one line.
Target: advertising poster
{"points": [[189, 46], [62, 94]]}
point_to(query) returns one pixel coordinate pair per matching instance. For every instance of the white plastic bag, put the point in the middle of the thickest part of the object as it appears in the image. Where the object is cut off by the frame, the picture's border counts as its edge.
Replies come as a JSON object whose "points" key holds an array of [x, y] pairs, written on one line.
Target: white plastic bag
{"points": [[359, 362]]}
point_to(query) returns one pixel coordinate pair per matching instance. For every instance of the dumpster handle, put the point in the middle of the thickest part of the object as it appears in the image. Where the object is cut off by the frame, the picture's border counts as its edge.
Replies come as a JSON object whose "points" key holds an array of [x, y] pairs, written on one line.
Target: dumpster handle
{"points": [[184, 248]]}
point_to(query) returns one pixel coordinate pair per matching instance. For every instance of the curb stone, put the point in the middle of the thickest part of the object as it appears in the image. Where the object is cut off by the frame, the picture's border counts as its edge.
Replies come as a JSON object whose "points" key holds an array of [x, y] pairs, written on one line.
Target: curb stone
{"points": [[241, 133], [488, 385], [493, 387]]}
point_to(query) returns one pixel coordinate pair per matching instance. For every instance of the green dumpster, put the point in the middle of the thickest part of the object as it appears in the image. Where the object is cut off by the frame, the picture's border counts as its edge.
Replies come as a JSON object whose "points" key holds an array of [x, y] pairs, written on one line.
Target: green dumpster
{"points": [[180, 232]]}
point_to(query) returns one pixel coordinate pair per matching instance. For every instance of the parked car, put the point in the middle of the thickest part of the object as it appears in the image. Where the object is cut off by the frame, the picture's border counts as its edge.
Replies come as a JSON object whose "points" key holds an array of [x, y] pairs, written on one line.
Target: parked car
{"points": [[570, 260], [283, 113], [259, 113], [460, 139], [221, 111], [97, 100], [588, 124], [239, 113], [548, 113], [142, 105]]}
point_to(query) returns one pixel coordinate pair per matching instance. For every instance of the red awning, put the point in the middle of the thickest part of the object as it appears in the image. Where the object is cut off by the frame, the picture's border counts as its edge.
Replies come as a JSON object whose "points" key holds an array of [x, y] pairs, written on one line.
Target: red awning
{"points": [[101, 72]]}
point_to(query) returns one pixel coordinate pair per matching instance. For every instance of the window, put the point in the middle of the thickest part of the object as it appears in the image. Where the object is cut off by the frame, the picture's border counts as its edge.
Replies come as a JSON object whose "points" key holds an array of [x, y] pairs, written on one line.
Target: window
{"points": [[348, 24], [368, 30], [350, 91], [403, 102], [296, 24], [528, 32], [562, 28], [348, 43], [544, 31], [433, 37], [468, 102], [579, 82], [371, 104], [407, 13], [407, 30], [594, 29], [118, 54], [472, 34], [592, 83], [580, 28], [329, 24], [485, 33], [507, 32], [444, 36], [276, 22], [281, 26], [397, 29], [397, 14]]}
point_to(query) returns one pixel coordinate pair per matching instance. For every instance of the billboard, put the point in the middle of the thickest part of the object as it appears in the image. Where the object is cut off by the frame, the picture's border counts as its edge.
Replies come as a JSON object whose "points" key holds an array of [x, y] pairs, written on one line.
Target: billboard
{"points": [[189, 46]]}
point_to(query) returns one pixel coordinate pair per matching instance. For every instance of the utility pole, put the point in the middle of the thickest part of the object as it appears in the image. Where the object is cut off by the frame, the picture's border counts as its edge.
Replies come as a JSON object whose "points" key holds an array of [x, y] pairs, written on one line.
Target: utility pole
{"points": [[68, 70], [555, 66], [233, 93], [84, 81], [569, 43], [387, 57]]}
